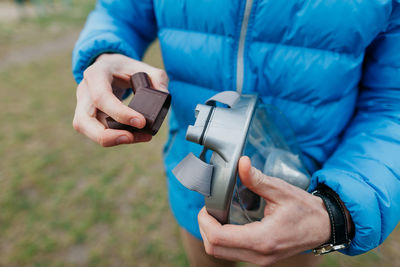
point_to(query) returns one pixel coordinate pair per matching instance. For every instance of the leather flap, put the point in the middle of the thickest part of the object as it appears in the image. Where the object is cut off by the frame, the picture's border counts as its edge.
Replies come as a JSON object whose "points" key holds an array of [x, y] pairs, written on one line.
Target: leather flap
{"points": [[227, 97], [194, 174]]}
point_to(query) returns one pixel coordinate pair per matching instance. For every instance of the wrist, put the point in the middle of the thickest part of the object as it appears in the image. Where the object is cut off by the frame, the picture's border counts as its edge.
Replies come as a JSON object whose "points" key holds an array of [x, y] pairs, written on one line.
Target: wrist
{"points": [[324, 227], [340, 222], [104, 56], [112, 58]]}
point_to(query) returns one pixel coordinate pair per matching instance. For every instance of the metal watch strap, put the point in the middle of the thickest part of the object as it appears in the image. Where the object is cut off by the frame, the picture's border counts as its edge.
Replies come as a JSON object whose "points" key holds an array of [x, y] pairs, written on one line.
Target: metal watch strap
{"points": [[340, 237]]}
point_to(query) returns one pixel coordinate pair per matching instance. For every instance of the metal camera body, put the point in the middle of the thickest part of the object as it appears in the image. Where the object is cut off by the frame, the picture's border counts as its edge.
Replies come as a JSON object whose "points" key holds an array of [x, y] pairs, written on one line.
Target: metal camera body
{"points": [[224, 130]]}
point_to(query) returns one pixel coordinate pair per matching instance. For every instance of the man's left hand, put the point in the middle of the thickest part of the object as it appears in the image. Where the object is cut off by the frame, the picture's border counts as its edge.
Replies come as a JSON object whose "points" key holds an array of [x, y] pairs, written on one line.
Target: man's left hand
{"points": [[294, 221]]}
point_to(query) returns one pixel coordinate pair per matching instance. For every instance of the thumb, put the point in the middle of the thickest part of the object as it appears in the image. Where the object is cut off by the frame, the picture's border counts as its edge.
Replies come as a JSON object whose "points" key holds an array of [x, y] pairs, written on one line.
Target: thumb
{"points": [[267, 187]]}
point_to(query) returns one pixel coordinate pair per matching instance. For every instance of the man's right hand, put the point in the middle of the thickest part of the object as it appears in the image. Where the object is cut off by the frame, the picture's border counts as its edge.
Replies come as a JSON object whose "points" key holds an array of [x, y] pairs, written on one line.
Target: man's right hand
{"points": [[99, 93]]}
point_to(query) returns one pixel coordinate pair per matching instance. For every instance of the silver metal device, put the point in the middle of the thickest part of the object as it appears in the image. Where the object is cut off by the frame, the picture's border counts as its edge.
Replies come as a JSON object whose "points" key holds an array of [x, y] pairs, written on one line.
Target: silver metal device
{"points": [[241, 126]]}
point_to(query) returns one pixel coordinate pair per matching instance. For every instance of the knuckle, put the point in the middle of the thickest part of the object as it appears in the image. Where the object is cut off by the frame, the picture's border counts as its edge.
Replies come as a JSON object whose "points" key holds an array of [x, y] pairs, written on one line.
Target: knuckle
{"points": [[102, 141], [79, 89], [120, 117], [259, 178], [214, 240], [98, 98], [162, 74], [76, 125], [87, 73], [269, 247], [200, 218], [210, 249]]}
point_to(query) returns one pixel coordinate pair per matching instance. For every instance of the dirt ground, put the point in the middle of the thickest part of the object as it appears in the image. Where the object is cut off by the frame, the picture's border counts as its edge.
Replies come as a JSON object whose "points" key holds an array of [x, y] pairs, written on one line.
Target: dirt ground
{"points": [[10, 12]]}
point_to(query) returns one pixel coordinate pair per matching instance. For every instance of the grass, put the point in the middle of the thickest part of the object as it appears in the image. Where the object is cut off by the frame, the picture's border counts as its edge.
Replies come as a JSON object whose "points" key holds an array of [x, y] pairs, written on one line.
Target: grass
{"points": [[63, 199], [20, 34], [66, 201]]}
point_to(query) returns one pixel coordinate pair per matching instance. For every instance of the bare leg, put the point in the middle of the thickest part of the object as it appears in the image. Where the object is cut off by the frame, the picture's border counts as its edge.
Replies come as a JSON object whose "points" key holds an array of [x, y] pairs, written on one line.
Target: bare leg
{"points": [[303, 260], [197, 256]]}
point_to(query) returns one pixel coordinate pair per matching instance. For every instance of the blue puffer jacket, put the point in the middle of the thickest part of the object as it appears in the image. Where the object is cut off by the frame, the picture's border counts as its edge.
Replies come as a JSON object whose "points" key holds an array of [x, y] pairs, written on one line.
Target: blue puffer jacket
{"points": [[333, 68]]}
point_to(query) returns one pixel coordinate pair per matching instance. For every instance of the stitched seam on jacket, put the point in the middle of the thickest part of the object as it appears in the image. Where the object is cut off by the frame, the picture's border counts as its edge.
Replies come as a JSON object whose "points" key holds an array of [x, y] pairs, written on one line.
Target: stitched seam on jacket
{"points": [[195, 31], [175, 80], [321, 103], [262, 42], [348, 54], [325, 103]]}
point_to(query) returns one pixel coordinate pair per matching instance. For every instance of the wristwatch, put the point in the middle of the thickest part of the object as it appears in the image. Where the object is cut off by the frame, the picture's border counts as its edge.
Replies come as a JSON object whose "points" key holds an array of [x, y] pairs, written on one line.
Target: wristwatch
{"points": [[340, 238]]}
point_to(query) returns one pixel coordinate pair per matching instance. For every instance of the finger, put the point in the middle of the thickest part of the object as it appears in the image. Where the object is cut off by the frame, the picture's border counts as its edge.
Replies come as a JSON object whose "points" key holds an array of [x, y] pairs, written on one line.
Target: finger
{"points": [[233, 254], [227, 235], [139, 137], [270, 188], [205, 240], [93, 129], [101, 93], [86, 123], [96, 131], [124, 67]]}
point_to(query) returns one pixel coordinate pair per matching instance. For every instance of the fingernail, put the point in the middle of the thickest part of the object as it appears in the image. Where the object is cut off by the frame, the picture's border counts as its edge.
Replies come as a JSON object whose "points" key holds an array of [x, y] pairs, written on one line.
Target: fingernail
{"points": [[122, 140], [136, 122]]}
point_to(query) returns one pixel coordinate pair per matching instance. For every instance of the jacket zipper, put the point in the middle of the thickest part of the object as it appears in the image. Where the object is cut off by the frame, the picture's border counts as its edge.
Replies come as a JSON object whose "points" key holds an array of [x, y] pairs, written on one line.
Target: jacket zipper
{"points": [[240, 54]]}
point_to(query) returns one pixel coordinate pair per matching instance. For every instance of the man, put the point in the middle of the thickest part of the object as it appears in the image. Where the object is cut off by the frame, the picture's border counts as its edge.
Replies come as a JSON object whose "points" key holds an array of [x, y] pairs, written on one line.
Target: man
{"points": [[332, 67]]}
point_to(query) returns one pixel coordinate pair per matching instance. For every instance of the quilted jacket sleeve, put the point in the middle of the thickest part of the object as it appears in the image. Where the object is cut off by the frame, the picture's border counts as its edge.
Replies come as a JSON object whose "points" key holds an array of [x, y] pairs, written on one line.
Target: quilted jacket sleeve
{"points": [[125, 27], [365, 168]]}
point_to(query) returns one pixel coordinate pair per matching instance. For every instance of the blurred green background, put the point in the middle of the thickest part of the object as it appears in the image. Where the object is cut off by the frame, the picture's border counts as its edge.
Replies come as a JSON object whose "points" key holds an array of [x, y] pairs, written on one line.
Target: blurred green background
{"points": [[64, 201]]}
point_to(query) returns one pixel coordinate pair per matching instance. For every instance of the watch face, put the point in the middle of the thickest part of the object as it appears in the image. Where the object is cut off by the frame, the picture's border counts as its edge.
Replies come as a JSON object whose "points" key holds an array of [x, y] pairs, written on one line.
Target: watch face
{"points": [[271, 147]]}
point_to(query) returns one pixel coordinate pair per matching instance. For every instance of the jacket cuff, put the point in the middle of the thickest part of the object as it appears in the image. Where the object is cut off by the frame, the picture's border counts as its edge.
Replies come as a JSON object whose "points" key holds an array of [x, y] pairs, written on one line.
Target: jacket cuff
{"points": [[86, 52], [359, 198]]}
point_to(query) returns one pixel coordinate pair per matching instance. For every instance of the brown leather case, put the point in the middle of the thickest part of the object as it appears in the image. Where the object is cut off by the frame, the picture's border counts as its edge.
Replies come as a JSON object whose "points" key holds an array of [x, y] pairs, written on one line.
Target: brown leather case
{"points": [[153, 104]]}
